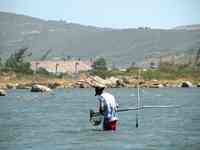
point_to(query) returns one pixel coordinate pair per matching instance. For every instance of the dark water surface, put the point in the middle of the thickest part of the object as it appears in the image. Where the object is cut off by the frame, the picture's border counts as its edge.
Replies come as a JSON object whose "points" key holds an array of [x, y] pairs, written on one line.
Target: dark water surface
{"points": [[59, 121]]}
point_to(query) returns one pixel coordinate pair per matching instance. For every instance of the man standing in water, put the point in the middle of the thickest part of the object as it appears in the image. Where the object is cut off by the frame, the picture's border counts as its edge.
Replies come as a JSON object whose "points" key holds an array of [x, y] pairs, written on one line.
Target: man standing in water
{"points": [[107, 108]]}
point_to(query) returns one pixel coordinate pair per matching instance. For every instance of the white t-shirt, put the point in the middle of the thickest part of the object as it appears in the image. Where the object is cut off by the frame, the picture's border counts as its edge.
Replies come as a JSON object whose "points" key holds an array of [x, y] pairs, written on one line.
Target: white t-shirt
{"points": [[109, 105]]}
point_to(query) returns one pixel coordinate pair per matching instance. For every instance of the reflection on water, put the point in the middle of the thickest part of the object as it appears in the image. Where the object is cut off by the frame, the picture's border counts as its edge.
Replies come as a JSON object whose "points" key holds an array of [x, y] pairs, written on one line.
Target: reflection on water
{"points": [[59, 121]]}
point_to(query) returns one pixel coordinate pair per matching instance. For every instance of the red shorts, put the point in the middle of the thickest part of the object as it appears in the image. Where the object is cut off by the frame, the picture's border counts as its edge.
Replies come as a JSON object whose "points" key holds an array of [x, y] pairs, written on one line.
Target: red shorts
{"points": [[110, 125]]}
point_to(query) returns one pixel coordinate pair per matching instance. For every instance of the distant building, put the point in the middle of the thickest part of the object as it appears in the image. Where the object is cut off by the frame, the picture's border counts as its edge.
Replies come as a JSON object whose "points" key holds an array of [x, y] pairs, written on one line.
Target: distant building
{"points": [[58, 66]]}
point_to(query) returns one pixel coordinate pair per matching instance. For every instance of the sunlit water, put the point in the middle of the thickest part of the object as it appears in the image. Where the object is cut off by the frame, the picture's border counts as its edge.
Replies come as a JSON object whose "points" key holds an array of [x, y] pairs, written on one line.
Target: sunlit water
{"points": [[59, 121]]}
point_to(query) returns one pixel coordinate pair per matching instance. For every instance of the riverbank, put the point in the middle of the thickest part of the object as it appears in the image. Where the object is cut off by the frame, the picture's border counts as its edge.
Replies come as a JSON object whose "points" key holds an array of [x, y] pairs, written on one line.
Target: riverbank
{"points": [[18, 81]]}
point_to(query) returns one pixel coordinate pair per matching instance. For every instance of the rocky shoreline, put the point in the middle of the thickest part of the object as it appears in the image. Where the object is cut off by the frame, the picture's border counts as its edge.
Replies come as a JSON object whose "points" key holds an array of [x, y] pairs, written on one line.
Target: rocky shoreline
{"points": [[47, 86], [111, 82]]}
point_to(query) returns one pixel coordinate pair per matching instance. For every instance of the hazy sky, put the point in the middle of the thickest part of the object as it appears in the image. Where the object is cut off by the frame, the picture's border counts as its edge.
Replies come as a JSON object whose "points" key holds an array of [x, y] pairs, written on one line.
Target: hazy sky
{"points": [[110, 13]]}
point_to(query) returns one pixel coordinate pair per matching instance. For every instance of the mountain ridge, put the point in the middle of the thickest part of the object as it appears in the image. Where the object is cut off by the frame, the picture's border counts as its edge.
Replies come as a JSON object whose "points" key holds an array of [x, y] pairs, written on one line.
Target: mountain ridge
{"points": [[118, 46], [188, 27]]}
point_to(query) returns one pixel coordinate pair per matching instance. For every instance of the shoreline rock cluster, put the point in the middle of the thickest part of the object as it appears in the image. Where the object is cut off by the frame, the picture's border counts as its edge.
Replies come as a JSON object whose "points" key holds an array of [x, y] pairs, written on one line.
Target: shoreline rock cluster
{"points": [[111, 82], [2, 92], [40, 88]]}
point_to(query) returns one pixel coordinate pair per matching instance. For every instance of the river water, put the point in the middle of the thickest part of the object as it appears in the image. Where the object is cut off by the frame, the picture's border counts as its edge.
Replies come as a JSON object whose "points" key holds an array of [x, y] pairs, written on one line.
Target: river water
{"points": [[59, 121]]}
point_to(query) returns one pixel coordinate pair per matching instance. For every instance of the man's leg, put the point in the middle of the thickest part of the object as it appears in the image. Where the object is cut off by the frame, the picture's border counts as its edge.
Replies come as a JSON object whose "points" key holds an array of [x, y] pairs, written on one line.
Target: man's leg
{"points": [[113, 125], [106, 124], [109, 125]]}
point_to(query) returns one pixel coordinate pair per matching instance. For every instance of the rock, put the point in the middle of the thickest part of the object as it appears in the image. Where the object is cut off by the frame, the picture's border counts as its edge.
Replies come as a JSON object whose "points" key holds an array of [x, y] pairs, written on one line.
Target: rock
{"points": [[23, 86], [111, 81], [170, 85], [3, 86], [11, 86], [156, 86], [2, 93], [120, 83], [186, 84], [131, 86], [80, 84], [161, 86], [54, 85], [98, 79], [40, 88], [130, 81], [92, 81], [198, 85], [114, 82]]}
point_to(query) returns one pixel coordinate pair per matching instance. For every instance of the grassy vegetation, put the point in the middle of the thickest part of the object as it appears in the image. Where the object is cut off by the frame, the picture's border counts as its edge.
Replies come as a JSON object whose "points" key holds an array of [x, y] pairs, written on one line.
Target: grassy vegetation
{"points": [[16, 66], [165, 72]]}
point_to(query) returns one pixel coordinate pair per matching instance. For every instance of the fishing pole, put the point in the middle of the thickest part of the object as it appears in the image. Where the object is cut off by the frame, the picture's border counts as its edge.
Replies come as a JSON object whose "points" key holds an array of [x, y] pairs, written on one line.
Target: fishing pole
{"points": [[145, 107]]}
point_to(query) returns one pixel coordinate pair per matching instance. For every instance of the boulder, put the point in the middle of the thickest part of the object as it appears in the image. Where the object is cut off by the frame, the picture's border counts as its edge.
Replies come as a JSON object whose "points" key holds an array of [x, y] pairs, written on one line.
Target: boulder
{"points": [[23, 86], [114, 82], [3, 86], [97, 79], [120, 83], [81, 84], [156, 86], [198, 85], [111, 80], [129, 80], [11, 86], [2, 93], [40, 88], [186, 84], [92, 81], [161, 86], [54, 85]]}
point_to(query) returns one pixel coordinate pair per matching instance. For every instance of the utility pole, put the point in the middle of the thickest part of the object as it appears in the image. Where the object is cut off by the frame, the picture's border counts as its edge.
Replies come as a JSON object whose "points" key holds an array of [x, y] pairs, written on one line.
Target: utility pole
{"points": [[36, 67], [76, 67], [57, 68]]}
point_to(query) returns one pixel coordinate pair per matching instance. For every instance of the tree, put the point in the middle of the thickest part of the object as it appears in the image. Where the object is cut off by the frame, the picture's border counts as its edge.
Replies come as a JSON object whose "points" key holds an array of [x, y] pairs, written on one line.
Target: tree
{"points": [[114, 67], [16, 62], [99, 64], [197, 60], [69, 57], [0, 63], [133, 64], [152, 65]]}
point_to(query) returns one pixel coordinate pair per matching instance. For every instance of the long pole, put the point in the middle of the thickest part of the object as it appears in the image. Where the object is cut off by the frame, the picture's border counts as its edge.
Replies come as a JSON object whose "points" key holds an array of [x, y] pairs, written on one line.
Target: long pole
{"points": [[138, 100], [145, 107]]}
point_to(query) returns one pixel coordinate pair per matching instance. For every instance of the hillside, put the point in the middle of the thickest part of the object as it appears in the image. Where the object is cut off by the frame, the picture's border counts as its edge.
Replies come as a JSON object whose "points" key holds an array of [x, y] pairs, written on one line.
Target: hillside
{"points": [[118, 46], [188, 27]]}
